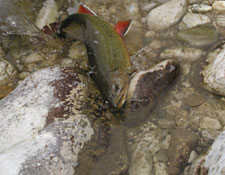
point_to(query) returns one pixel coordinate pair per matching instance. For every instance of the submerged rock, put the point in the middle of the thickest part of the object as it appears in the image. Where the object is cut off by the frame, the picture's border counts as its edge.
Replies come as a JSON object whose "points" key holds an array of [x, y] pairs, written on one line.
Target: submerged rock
{"points": [[186, 54], [198, 36], [7, 72], [193, 20], [145, 87], [198, 8], [54, 122], [219, 6], [214, 73], [166, 15], [48, 14]]}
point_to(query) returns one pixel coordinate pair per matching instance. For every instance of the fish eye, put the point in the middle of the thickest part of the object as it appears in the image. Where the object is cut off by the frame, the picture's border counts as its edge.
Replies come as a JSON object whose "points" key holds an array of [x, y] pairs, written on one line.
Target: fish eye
{"points": [[116, 88]]}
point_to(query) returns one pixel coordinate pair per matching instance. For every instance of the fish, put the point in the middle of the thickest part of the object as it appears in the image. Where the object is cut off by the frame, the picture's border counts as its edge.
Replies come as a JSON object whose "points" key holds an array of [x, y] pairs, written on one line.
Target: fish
{"points": [[107, 55]]}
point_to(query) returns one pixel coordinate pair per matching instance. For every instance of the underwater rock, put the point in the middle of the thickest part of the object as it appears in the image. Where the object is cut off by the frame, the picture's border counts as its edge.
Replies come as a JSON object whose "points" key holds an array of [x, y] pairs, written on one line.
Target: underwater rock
{"points": [[220, 20], [193, 20], [48, 14], [168, 14], [7, 72], [54, 122], [198, 36], [145, 87], [186, 54], [182, 143], [199, 8], [213, 74], [218, 6]]}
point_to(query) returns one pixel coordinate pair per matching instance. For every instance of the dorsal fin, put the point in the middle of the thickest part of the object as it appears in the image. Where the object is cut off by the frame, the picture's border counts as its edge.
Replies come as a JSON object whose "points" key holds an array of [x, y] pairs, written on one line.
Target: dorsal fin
{"points": [[122, 27], [85, 9]]}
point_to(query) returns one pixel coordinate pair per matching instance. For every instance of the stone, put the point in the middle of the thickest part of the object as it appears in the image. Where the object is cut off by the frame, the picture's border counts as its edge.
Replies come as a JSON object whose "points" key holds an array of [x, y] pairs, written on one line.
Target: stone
{"points": [[198, 37], [161, 169], [200, 8], [220, 20], [52, 122], [161, 156], [33, 58], [187, 54], [214, 161], [193, 20], [210, 123], [192, 157], [144, 88], [48, 14], [182, 143], [218, 6], [168, 14], [194, 100], [7, 72], [213, 74]]}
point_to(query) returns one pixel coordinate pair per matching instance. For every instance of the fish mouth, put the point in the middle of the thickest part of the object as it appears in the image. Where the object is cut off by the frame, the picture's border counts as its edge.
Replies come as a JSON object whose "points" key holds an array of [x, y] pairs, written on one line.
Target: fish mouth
{"points": [[120, 100]]}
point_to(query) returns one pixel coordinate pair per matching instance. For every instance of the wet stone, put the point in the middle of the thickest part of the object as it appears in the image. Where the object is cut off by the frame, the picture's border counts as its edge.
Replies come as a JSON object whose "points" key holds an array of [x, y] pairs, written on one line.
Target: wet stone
{"points": [[168, 14], [161, 169], [182, 143], [198, 37], [67, 125], [7, 72], [161, 156], [219, 6], [199, 8], [210, 123], [193, 20], [194, 100], [180, 53]]}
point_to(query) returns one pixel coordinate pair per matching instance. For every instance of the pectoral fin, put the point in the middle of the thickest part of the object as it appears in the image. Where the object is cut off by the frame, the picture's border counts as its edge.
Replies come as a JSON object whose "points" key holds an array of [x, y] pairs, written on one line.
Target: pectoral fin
{"points": [[122, 27], [85, 9]]}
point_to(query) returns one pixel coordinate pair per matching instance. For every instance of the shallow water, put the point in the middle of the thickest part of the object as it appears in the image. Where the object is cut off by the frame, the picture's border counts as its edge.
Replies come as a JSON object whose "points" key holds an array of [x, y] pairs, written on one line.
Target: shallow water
{"points": [[184, 105]]}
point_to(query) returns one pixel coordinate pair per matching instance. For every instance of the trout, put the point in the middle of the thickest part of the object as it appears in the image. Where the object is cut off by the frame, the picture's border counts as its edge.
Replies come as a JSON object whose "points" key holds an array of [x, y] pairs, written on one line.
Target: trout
{"points": [[107, 55]]}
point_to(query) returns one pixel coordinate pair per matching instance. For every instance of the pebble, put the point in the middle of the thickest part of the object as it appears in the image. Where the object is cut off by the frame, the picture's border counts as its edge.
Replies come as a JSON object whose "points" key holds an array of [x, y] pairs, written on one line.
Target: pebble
{"points": [[192, 157], [7, 72], [168, 14], [221, 20], [166, 142], [219, 6], [198, 37], [200, 8], [210, 123], [33, 58], [193, 20], [186, 54], [194, 100], [161, 156], [48, 14]]}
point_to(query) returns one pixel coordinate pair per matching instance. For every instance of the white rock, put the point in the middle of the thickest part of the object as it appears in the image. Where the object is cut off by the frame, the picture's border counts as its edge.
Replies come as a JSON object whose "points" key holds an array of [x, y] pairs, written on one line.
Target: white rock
{"points": [[166, 15], [182, 53], [199, 8], [192, 157], [193, 20], [215, 159], [39, 132], [210, 123], [214, 73], [219, 6], [7, 72], [48, 14]]}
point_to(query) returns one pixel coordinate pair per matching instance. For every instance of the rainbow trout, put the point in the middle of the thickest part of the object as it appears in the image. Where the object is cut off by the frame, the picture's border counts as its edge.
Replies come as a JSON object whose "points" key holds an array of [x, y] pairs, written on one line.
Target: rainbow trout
{"points": [[107, 54]]}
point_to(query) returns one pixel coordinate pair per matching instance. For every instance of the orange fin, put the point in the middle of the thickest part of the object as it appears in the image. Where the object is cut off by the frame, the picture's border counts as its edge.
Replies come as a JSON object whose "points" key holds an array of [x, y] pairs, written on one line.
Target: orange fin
{"points": [[85, 9], [122, 27]]}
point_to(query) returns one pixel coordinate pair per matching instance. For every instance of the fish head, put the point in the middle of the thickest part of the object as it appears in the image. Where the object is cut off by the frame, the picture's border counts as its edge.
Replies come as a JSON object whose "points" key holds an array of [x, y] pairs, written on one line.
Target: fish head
{"points": [[118, 89]]}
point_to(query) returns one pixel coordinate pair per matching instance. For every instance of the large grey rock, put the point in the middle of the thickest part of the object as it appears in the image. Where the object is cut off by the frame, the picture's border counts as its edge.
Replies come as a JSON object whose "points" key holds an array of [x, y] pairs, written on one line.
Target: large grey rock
{"points": [[166, 15], [214, 72], [54, 122]]}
